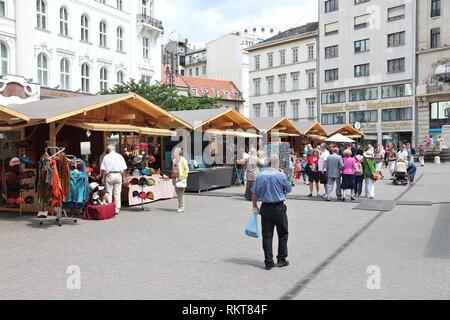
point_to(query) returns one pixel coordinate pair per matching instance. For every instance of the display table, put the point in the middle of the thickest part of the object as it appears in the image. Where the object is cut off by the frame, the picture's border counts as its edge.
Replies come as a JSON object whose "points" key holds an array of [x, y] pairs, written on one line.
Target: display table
{"points": [[101, 212], [211, 178], [162, 190]]}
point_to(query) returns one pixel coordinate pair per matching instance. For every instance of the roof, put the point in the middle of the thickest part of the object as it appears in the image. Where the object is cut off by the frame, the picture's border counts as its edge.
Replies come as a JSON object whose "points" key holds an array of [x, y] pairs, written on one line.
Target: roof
{"points": [[199, 118], [306, 127], [272, 123], [307, 29], [345, 129]]}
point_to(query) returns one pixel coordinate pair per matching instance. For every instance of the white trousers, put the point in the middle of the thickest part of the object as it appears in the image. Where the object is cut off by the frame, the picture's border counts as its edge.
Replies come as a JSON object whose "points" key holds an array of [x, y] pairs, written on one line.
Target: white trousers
{"points": [[370, 188], [422, 161], [114, 188]]}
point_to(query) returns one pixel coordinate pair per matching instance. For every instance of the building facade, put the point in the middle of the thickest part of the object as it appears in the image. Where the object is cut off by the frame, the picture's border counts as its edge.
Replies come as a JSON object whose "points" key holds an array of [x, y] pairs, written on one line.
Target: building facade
{"points": [[367, 67], [196, 63], [433, 68], [80, 45], [283, 75]]}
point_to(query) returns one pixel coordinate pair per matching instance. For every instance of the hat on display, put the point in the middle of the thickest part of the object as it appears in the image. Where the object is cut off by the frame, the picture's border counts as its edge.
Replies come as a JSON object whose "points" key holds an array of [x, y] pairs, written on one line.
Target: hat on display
{"points": [[135, 173], [26, 174], [136, 160], [143, 195], [94, 186], [29, 200], [150, 195], [150, 183], [26, 160], [145, 172], [14, 162], [151, 159], [135, 194], [20, 201], [135, 147], [143, 146], [142, 182], [13, 187], [134, 181]]}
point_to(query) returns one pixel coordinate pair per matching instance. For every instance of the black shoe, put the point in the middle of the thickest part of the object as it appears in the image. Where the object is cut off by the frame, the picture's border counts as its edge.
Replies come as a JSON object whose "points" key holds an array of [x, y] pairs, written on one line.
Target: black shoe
{"points": [[310, 195], [270, 266], [343, 199], [353, 199], [283, 263]]}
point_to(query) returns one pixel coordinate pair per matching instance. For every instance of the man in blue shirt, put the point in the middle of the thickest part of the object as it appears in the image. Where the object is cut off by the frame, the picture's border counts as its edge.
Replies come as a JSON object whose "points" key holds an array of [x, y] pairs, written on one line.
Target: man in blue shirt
{"points": [[271, 187]]}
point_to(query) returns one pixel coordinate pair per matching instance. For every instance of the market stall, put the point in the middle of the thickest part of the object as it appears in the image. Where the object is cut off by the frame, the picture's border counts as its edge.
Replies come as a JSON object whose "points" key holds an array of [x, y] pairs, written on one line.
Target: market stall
{"points": [[312, 132], [345, 130], [82, 127], [212, 125]]}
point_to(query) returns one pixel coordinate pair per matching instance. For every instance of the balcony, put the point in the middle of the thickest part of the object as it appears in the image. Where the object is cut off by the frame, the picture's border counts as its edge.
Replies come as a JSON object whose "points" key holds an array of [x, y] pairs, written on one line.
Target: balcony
{"points": [[438, 88], [150, 21]]}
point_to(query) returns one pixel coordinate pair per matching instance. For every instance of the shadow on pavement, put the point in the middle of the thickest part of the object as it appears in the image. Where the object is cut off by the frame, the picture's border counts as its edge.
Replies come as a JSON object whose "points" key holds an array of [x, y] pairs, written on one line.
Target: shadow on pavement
{"points": [[245, 262], [438, 246]]}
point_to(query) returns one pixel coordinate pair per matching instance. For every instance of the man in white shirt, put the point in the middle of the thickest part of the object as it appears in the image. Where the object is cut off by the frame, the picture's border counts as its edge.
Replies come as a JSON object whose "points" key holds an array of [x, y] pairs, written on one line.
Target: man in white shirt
{"points": [[322, 166], [113, 167], [403, 154]]}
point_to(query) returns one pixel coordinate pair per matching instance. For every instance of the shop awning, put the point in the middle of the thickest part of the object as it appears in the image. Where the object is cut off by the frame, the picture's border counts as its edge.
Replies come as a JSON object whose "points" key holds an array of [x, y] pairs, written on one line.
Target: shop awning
{"points": [[109, 127], [241, 134], [8, 115], [316, 137], [284, 134]]}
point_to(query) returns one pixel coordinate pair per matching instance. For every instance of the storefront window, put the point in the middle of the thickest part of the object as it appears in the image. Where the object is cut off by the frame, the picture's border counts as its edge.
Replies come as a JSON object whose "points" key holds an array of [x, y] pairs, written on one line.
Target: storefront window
{"points": [[440, 110], [400, 114]]}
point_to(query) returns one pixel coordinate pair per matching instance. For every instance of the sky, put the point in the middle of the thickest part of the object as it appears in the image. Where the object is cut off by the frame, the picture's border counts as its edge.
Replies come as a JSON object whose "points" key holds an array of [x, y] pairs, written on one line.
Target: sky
{"points": [[204, 20]]}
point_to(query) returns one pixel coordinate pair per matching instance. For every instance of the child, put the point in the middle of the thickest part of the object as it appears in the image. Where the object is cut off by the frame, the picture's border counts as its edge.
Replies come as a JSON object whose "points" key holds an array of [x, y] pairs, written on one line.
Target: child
{"points": [[304, 162], [298, 170]]}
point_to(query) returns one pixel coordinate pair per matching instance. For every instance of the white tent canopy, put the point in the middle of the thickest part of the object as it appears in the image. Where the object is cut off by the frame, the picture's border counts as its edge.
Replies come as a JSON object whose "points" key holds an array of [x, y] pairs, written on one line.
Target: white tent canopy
{"points": [[339, 138]]}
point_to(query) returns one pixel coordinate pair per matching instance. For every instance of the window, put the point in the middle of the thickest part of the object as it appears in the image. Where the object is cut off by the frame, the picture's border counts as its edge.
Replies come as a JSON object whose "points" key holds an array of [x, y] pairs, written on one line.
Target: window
{"points": [[120, 77], [331, 52], [333, 97], [360, 1], [103, 34], [440, 110], [311, 52], [270, 60], [63, 21], [295, 55], [282, 82], [333, 118], [435, 38], [269, 109], [362, 46], [84, 28], [400, 114], [363, 95], [332, 75], [311, 108], [269, 85], [257, 83], [197, 71], [295, 81], [396, 13], [41, 14], [190, 72], [85, 78], [396, 39], [311, 79], [120, 39], [119, 5], [396, 65], [362, 70], [146, 48], [2, 8], [282, 57], [257, 110], [361, 22], [435, 8], [103, 78], [203, 69], [295, 109], [257, 63], [64, 71], [148, 79], [331, 5], [282, 106], [363, 116], [331, 28], [397, 91], [42, 69], [4, 58]]}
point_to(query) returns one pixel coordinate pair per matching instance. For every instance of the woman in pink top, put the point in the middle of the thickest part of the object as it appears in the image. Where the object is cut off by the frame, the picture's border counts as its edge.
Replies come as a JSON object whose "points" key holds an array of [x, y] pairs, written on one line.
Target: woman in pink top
{"points": [[348, 177]]}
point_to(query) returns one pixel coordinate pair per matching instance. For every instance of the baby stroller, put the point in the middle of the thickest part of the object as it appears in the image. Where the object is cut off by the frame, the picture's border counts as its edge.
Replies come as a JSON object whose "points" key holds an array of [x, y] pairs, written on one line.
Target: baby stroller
{"points": [[400, 173]]}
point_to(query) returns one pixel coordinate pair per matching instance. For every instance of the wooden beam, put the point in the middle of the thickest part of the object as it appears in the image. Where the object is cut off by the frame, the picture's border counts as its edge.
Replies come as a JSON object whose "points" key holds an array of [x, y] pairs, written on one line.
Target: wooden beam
{"points": [[52, 134], [226, 124], [61, 125], [120, 117]]}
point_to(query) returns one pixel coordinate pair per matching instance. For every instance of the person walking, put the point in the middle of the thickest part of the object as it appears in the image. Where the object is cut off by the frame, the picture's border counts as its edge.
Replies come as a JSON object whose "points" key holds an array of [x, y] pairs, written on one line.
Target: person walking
{"points": [[358, 173], [412, 170], [304, 164], [313, 172], [370, 169], [334, 165], [348, 175], [379, 158], [112, 169], [322, 167], [252, 171], [180, 173], [422, 154], [271, 188]]}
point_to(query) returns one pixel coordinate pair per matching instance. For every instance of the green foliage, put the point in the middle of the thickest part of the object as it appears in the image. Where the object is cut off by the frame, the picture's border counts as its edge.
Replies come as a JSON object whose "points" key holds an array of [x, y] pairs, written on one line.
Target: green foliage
{"points": [[164, 96]]}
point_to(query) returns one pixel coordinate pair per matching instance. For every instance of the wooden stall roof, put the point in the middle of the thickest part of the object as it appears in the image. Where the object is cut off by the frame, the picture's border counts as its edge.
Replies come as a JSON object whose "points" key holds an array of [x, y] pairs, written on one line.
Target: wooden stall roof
{"points": [[280, 124], [311, 129], [52, 110], [8, 114], [107, 127], [344, 129], [217, 118]]}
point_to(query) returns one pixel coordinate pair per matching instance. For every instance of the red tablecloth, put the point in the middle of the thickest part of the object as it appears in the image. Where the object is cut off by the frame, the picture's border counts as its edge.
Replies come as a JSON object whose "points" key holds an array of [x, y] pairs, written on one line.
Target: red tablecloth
{"points": [[103, 212]]}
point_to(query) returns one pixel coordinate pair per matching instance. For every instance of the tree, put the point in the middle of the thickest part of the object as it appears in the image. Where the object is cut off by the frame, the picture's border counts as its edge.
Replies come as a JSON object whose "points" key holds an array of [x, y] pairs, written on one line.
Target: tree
{"points": [[164, 96]]}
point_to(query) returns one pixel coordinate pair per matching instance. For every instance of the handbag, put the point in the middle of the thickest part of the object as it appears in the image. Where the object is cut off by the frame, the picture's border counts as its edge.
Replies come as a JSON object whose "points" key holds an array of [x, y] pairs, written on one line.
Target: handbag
{"points": [[252, 229], [181, 183], [375, 176]]}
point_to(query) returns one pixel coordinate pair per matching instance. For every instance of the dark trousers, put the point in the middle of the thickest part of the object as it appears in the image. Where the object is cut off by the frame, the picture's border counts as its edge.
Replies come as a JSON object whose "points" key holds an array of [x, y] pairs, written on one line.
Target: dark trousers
{"points": [[412, 170], [358, 184], [274, 215]]}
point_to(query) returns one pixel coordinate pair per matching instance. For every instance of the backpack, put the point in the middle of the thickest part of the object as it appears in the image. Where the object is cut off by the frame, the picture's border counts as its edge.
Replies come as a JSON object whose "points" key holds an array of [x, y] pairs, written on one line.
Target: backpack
{"points": [[359, 171]]}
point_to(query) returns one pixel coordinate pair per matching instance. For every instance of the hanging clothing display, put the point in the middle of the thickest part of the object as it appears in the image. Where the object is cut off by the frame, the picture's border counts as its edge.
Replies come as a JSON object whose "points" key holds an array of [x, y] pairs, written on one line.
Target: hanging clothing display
{"points": [[79, 187]]}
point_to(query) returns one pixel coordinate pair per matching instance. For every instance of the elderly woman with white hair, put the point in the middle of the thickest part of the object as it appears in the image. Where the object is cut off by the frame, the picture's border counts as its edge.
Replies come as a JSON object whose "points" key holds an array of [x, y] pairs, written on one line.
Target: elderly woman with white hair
{"points": [[180, 173], [252, 171]]}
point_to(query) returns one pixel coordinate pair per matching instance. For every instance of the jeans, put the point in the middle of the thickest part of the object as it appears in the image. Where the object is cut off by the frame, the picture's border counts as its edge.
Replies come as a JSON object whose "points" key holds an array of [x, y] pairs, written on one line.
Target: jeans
{"points": [[331, 182], [114, 188], [274, 215], [412, 170], [358, 185]]}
